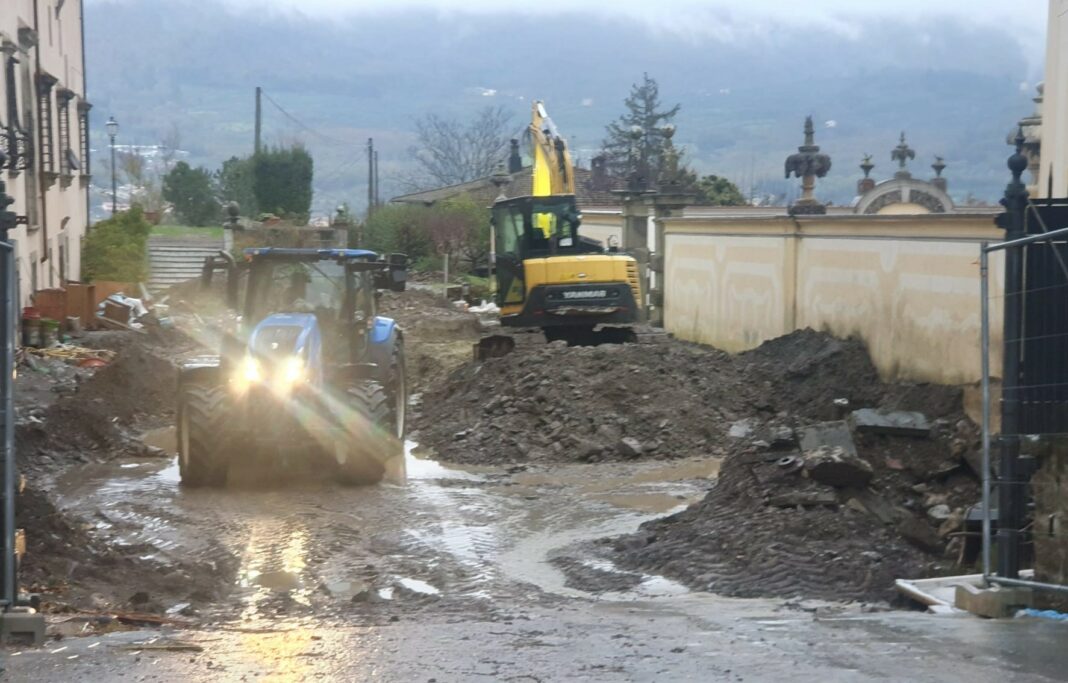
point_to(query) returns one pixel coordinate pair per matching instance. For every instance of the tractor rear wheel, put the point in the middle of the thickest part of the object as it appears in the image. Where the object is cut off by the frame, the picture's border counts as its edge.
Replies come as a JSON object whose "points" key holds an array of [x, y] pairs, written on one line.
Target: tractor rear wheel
{"points": [[201, 420], [369, 447]]}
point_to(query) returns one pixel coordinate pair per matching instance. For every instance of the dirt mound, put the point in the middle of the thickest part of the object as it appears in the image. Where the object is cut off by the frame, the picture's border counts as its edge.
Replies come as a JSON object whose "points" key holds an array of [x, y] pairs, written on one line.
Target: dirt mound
{"points": [[95, 421], [768, 530], [438, 336], [665, 400]]}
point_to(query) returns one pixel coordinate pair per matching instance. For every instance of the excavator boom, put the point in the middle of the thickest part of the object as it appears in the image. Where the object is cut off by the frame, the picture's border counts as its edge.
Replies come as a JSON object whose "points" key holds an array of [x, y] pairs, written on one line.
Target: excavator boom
{"points": [[553, 173]]}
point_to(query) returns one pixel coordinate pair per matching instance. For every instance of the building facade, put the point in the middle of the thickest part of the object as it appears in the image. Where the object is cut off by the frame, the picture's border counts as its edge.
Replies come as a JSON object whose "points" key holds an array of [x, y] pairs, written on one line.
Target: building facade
{"points": [[44, 131]]}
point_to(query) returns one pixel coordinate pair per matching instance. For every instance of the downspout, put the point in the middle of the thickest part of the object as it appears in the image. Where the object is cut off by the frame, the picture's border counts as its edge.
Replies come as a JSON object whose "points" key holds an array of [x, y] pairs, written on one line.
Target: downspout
{"points": [[85, 98], [40, 138], [794, 256]]}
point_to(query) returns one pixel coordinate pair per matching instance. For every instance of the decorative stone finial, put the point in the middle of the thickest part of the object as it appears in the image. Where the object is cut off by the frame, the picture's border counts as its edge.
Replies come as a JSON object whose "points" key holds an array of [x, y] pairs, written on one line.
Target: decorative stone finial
{"points": [[501, 179], [901, 154], [866, 165], [939, 165], [808, 164]]}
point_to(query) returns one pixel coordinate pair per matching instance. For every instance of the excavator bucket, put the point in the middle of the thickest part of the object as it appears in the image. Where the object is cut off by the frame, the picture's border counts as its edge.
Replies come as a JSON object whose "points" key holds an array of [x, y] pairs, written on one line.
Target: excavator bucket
{"points": [[494, 346]]}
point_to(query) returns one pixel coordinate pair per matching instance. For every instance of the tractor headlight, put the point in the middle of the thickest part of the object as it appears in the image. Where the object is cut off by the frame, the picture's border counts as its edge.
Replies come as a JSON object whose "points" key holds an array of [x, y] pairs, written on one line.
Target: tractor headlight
{"points": [[250, 370], [291, 372]]}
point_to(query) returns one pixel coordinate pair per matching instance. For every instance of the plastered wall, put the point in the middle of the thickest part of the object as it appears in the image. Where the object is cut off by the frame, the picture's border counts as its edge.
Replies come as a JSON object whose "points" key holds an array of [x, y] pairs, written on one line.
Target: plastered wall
{"points": [[907, 285]]}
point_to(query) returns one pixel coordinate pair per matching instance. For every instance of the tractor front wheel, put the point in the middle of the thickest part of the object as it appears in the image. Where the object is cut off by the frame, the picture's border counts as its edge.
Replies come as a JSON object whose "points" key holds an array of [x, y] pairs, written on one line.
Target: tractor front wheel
{"points": [[398, 389], [201, 421], [370, 448]]}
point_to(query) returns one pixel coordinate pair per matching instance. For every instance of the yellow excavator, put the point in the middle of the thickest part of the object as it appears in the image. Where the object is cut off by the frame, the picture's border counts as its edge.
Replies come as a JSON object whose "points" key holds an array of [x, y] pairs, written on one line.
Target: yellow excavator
{"points": [[549, 276]]}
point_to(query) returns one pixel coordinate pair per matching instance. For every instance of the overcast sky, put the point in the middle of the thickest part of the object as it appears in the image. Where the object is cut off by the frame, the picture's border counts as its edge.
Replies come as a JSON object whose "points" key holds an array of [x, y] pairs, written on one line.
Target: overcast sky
{"points": [[724, 19]]}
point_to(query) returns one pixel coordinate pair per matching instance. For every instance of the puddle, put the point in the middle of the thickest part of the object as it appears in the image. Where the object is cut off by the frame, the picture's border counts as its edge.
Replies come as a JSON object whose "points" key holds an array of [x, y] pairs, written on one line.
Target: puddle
{"points": [[164, 438], [613, 476], [653, 503], [418, 586], [421, 465]]}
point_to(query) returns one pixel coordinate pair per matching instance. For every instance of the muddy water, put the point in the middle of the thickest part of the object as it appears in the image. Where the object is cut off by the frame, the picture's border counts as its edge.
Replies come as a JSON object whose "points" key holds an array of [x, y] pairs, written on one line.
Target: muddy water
{"points": [[463, 537]]}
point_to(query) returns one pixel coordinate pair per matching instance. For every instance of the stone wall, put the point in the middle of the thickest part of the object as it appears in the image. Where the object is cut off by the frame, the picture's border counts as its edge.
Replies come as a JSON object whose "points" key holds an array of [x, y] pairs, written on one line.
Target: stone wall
{"points": [[908, 285]]}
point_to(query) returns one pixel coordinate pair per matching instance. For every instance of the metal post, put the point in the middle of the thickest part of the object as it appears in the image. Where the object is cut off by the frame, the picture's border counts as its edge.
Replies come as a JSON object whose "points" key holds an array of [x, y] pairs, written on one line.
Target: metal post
{"points": [[984, 293], [8, 329], [370, 176], [1010, 490], [9, 592], [258, 141], [114, 184]]}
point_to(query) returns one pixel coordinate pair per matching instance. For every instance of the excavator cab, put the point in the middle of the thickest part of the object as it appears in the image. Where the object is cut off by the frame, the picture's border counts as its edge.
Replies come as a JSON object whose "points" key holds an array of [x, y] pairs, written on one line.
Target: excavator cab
{"points": [[532, 227]]}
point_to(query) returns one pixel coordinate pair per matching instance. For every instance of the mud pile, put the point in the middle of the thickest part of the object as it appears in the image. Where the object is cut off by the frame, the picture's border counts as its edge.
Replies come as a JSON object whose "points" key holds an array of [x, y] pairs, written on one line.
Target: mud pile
{"points": [[438, 336], [93, 421], [767, 529], [93, 417], [665, 400], [774, 523]]}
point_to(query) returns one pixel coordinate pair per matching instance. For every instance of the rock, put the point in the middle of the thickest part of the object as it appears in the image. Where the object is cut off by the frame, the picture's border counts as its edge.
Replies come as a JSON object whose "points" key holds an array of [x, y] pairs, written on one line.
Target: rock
{"points": [[782, 437], [939, 513], [920, 534], [895, 422], [139, 598], [952, 524], [629, 447], [833, 434], [740, 429], [610, 433], [803, 499], [834, 466], [933, 499]]}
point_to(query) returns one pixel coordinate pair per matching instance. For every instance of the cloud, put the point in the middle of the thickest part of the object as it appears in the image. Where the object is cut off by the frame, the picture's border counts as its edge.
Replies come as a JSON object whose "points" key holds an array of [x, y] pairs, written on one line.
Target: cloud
{"points": [[724, 20]]}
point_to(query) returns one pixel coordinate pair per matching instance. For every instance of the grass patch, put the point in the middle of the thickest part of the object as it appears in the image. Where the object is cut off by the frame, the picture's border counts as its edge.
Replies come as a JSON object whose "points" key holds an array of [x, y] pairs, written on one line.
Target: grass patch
{"points": [[186, 231]]}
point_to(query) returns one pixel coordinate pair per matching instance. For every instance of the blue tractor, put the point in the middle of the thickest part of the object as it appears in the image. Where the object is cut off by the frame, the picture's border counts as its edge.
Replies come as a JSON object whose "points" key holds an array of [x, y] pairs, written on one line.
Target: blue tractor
{"points": [[310, 375]]}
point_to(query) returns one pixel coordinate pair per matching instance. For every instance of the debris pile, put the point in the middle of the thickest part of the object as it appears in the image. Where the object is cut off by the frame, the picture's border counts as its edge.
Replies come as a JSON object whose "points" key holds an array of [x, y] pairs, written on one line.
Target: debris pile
{"points": [[438, 336], [833, 482], [669, 400]]}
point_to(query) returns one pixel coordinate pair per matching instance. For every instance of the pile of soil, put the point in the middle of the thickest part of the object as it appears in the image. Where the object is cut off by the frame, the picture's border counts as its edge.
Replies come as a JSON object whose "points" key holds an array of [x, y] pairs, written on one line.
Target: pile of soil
{"points": [[94, 422], [747, 539], [665, 400], [764, 529], [96, 418], [438, 336]]}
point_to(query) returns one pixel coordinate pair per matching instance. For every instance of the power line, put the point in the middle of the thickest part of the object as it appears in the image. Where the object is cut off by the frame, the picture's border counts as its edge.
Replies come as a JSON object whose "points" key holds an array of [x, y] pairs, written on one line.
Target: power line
{"points": [[305, 126]]}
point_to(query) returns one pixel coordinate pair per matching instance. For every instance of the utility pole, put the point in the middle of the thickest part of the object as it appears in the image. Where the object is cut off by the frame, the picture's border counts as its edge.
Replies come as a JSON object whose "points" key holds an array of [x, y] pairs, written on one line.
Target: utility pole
{"points": [[378, 199], [259, 120], [370, 176]]}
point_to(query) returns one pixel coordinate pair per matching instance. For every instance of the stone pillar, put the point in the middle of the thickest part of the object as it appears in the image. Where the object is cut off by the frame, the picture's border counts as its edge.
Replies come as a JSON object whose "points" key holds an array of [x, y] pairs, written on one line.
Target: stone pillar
{"points": [[665, 205], [636, 212]]}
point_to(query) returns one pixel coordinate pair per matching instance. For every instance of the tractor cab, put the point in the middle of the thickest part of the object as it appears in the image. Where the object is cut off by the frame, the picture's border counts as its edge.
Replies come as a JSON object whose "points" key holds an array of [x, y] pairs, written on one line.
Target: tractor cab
{"points": [[335, 288]]}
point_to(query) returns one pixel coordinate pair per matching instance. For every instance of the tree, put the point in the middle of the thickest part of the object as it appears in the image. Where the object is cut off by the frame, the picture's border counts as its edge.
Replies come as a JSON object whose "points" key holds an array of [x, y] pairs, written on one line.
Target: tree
{"points": [[713, 190], [192, 193], [117, 248], [143, 179], [235, 184], [449, 152], [399, 228], [282, 181], [645, 112]]}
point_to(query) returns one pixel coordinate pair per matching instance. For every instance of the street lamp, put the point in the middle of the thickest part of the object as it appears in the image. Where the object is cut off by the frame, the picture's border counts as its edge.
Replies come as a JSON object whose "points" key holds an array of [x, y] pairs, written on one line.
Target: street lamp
{"points": [[113, 130]]}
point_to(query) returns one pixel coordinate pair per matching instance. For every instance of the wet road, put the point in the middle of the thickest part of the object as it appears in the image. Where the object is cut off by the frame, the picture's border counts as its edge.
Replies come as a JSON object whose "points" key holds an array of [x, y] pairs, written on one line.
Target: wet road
{"points": [[481, 574]]}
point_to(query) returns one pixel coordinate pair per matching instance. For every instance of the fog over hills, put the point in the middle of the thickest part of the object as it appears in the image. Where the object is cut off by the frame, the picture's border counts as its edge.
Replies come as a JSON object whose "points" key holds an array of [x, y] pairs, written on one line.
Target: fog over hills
{"points": [[955, 87]]}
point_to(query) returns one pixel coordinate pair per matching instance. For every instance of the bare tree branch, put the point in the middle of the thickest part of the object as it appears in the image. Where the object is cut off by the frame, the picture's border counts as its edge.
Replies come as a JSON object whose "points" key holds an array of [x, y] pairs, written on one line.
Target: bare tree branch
{"points": [[449, 152]]}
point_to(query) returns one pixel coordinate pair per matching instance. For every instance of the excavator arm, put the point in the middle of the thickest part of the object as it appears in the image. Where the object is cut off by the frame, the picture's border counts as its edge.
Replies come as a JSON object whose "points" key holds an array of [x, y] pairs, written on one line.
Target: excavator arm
{"points": [[553, 173]]}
